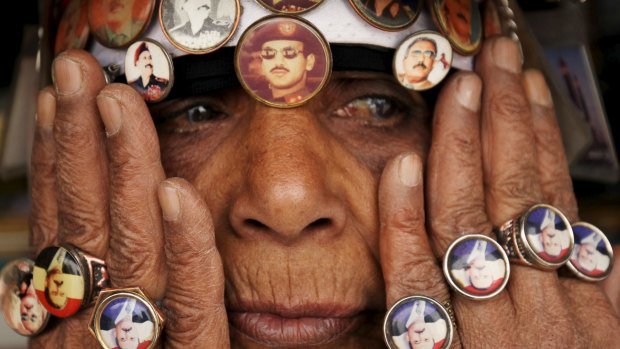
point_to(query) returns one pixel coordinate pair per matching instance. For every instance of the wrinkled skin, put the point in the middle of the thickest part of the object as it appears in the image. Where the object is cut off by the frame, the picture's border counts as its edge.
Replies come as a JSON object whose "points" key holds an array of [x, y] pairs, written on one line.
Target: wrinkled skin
{"points": [[303, 220]]}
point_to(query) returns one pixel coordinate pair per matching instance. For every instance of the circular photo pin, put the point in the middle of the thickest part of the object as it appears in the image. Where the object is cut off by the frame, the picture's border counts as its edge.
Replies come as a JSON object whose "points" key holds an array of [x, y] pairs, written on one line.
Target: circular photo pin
{"points": [[390, 15], [199, 26], [125, 318], [59, 281], [418, 322], [118, 23], [21, 308], [283, 61], [460, 22], [547, 236], [290, 6], [476, 266], [149, 70], [73, 27], [592, 257], [422, 61]]}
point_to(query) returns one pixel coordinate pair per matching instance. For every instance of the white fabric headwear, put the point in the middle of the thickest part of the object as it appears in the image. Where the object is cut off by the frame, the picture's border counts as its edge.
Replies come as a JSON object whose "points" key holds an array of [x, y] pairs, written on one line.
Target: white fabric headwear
{"points": [[548, 220], [417, 311], [126, 310], [479, 251]]}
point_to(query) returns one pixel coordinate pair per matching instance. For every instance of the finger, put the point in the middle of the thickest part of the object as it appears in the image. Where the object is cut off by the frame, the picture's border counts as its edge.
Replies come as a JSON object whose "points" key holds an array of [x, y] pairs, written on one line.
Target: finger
{"points": [[195, 292], [408, 263], [136, 254], [552, 166], [611, 285], [81, 170], [44, 213]]}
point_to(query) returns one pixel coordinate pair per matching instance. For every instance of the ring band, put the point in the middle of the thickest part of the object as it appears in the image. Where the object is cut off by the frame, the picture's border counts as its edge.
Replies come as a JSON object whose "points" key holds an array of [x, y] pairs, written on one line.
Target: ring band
{"points": [[476, 267], [67, 279], [126, 315], [593, 257], [419, 319], [542, 237]]}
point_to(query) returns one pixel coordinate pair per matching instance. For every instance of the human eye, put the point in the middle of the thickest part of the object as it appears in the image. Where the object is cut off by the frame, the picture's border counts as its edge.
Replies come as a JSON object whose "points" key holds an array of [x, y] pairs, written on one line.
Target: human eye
{"points": [[189, 116], [373, 110]]}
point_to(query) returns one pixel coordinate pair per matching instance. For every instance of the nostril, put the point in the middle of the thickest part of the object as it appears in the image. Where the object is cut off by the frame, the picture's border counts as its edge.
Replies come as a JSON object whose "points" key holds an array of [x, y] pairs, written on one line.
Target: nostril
{"points": [[319, 224], [255, 225]]}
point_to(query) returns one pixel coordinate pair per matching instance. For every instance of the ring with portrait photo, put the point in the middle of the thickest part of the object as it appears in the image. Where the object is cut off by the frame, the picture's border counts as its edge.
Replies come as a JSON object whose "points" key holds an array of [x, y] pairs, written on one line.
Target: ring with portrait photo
{"points": [[592, 258], [283, 61], [21, 308], [422, 60], [418, 322], [149, 70]]}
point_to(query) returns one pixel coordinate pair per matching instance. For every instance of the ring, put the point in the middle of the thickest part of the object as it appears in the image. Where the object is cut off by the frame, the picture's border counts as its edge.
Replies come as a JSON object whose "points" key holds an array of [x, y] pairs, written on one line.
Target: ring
{"points": [[476, 266], [21, 308], [593, 256], [419, 321], [126, 318], [67, 279]]}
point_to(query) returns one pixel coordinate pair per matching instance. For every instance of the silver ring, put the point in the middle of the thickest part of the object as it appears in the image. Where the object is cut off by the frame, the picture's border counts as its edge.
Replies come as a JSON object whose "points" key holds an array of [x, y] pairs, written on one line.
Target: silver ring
{"points": [[593, 257]]}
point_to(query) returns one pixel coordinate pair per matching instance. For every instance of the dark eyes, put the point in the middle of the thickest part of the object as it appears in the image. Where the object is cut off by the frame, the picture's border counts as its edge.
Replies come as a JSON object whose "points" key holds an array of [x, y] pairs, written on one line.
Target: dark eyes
{"points": [[373, 110], [203, 113]]}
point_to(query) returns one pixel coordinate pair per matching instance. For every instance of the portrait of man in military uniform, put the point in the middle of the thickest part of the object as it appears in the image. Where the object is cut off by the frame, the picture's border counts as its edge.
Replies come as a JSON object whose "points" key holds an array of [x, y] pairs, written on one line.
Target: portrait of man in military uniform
{"points": [[149, 85]]}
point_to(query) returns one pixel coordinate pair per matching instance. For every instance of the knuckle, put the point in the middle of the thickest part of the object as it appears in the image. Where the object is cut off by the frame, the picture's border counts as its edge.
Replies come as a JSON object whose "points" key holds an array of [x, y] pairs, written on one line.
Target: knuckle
{"points": [[182, 317], [419, 275], [508, 106], [515, 190], [404, 220], [74, 136]]}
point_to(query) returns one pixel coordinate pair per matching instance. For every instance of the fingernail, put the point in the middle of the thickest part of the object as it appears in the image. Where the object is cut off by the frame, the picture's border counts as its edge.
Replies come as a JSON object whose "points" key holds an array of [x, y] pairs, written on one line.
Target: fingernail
{"points": [[169, 201], [536, 89], [409, 170], [110, 111], [468, 91], [506, 55], [46, 110], [67, 76]]}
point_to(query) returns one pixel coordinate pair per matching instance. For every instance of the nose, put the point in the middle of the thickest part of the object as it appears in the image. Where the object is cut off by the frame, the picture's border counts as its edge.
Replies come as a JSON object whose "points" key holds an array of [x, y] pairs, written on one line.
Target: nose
{"points": [[58, 283], [288, 191]]}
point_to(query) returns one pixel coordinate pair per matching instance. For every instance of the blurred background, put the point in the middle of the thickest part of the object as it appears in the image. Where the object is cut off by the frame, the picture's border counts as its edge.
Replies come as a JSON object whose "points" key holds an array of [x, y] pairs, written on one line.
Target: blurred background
{"points": [[578, 41]]}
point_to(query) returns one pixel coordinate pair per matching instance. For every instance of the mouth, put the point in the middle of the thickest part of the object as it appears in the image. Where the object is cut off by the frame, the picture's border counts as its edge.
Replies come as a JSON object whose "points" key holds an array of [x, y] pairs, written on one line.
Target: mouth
{"points": [[279, 71], [304, 325]]}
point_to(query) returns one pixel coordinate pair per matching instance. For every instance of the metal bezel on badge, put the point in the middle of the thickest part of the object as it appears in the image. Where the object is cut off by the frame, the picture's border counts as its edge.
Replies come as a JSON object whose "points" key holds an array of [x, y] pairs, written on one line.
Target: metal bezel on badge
{"points": [[441, 66], [137, 295], [12, 276], [246, 53], [573, 263], [101, 32], [274, 10], [369, 17], [396, 313], [501, 266], [163, 60], [193, 48], [84, 277], [458, 45], [77, 32]]}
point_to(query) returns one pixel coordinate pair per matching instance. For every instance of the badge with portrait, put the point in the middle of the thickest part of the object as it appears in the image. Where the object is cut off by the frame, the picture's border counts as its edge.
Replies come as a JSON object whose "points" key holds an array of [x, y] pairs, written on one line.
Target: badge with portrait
{"points": [[73, 27], [118, 23], [283, 61], [460, 22], [290, 6], [390, 15], [422, 61], [149, 70]]}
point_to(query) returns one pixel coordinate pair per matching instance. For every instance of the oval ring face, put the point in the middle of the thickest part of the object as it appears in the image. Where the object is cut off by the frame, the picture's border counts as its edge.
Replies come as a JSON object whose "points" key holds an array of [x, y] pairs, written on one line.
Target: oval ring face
{"points": [[21, 308], [548, 233], [283, 61], [422, 61], [476, 266], [58, 281], [418, 322], [118, 23], [397, 15], [149, 70], [460, 22], [290, 6], [199, 26], [592, 257]]}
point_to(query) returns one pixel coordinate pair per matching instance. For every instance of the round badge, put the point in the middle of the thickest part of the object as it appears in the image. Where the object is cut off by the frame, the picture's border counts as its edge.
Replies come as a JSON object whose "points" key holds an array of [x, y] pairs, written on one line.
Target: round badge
{"points": [[199, 26], [491, 19], [21, 308], [283, 61], [58, 281], [418, 322], [125, 318], [149, 70], [73, 27], [592, 256], [476, 266], [290, 6], [117, 23], [460, 22], [390, 15], [547, 234], [422, 60]]}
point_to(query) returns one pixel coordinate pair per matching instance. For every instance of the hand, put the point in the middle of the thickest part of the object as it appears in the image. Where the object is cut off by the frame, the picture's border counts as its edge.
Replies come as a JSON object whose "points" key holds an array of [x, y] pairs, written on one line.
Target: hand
{"points": [[494, 154], [96, 185]]}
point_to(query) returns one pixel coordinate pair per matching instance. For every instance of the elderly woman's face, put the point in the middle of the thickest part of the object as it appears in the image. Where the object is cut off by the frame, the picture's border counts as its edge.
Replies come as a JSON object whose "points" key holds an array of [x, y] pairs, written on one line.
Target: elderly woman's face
{"points": [[293, 194]]}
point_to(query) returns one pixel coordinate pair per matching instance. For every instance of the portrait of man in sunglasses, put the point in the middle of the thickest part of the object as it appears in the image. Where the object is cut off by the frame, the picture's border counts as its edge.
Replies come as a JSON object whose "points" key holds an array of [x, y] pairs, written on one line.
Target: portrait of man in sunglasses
{"points": [[418, 63]]}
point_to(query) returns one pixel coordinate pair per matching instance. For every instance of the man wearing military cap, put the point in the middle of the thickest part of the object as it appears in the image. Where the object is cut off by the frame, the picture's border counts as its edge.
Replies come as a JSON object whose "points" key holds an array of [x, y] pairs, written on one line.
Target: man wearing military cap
{"points": [[149, 85]]}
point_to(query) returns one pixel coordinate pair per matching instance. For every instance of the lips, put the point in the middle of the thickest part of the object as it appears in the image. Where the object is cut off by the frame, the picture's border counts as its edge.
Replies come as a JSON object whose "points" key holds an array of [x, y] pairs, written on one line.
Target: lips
{"points": [[305, 325]]}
